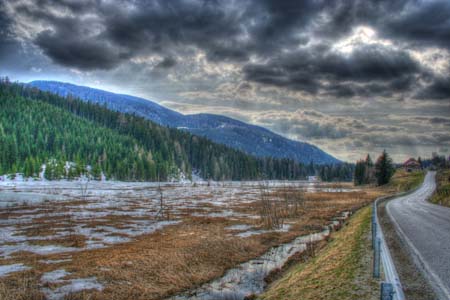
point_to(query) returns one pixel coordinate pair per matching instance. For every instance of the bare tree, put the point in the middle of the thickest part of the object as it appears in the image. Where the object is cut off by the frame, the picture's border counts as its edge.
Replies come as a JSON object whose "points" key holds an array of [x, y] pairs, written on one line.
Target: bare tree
{"points": [[269, 209], [298, 199], [84, 185], [164, 209], [293, 200], [311, 247]]}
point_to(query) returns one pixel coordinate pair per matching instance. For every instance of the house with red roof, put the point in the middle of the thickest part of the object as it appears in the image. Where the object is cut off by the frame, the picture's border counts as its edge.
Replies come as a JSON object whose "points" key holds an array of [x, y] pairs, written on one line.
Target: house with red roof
{"points": [[411, 164]]}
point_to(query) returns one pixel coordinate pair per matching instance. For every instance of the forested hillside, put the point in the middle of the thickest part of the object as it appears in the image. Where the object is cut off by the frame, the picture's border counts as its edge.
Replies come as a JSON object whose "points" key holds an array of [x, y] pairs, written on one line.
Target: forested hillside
{"points": [[33, 133], [38, 128], [251, 139]]}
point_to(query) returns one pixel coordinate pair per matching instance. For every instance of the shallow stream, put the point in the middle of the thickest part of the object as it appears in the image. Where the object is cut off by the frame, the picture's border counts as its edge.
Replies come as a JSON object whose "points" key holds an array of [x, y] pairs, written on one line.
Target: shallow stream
{"points": [[249, 278]]}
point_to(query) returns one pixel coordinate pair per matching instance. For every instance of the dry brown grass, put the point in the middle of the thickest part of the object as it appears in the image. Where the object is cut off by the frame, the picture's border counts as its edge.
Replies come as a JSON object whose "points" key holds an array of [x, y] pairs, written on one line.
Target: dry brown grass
{"points": [[404, 181], [72, 240], [23, 287], [442, 194], [182, 256]]}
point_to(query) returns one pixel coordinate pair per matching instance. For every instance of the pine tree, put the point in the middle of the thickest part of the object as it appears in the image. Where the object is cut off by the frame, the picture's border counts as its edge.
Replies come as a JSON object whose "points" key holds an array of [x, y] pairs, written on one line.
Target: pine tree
{"points": [[369, 170], [360, 171], [384, 168]]}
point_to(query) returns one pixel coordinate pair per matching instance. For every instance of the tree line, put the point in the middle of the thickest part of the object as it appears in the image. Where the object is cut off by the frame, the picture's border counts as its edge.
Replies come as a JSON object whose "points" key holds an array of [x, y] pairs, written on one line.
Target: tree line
{"points": [[380, 172]]}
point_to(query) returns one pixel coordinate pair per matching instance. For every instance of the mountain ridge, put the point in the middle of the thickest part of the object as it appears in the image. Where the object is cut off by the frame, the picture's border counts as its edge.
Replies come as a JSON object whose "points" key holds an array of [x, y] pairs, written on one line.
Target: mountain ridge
{"points": [[252, 139]]}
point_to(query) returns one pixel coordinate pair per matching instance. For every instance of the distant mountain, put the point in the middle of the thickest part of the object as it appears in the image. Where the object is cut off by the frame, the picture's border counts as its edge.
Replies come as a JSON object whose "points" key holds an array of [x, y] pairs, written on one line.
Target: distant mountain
{"points": [[251, 139], [118, 102]]}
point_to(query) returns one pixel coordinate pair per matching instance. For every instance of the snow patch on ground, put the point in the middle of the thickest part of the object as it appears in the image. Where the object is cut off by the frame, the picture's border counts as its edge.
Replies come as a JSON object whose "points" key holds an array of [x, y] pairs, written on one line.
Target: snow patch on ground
{"points": [[8, 269], [112, 212], [68, 285], [54, 276], [240, 227], [54, 261]]}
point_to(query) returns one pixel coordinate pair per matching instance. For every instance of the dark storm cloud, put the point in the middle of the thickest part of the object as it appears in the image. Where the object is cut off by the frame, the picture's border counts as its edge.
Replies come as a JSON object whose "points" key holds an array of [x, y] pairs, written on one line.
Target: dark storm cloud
{"points": [[290, 42], [364, 65], [341, 90], [70, 42], [438, 120], [158, 25], [439, 89], [417, 22], [318, 131], [309, 129], [84, 53], [5, 24], [274, 74], [423, 22], [167, 63], [10, 48]]}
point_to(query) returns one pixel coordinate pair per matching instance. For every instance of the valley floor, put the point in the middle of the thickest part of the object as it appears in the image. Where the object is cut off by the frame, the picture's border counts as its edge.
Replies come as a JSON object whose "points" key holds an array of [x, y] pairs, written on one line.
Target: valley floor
{"points": [[114, 240]]}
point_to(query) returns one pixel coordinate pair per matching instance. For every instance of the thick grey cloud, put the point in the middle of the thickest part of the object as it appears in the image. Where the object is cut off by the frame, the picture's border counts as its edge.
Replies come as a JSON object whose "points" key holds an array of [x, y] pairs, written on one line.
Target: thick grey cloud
{"points": [[393, 69], [439, 89], [5, 29], [422, 22], [83, 53], [235, 31], [238, 30]]}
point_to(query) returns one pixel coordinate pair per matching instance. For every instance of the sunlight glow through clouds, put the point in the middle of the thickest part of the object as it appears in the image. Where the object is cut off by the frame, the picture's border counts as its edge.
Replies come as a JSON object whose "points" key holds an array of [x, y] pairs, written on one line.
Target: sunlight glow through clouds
{"points": [[435, 59], [361, 36]]}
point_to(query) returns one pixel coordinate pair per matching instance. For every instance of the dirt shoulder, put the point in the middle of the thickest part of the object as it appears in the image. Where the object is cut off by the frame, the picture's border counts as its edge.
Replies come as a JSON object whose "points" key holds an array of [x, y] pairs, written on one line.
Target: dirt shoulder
{"points": [[341, 270]]}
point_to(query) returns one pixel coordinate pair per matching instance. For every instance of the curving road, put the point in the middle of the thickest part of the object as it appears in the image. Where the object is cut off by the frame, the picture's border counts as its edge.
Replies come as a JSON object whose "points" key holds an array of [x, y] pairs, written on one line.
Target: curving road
{"points": [[425, 227]]}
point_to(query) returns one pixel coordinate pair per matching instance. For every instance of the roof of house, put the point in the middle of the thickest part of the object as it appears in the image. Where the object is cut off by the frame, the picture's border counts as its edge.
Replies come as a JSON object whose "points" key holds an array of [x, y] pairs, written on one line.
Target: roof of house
{"points": [[411, 162]]}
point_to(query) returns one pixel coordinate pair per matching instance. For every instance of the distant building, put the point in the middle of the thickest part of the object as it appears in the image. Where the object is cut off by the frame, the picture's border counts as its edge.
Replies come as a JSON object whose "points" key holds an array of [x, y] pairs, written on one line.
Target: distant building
{"points": [[411, 165]]}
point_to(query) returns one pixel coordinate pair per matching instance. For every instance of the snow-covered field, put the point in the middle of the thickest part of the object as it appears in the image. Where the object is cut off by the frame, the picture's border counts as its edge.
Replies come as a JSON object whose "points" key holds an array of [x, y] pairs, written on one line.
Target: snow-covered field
{"points": [[50, 217]]}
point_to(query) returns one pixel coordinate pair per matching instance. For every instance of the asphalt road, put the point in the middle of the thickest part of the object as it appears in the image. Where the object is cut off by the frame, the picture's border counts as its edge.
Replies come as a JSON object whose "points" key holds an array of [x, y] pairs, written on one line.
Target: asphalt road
{"points": [[425, 227]]}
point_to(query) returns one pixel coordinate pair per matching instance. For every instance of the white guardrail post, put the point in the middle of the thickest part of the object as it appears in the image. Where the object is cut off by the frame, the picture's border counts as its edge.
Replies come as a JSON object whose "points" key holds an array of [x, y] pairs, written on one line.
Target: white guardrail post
{"points": [[391, 289]]}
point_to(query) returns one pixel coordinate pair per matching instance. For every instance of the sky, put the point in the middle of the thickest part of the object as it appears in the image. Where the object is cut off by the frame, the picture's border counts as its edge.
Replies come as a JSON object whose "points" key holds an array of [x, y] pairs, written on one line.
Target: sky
{"points": [[350, 76]]}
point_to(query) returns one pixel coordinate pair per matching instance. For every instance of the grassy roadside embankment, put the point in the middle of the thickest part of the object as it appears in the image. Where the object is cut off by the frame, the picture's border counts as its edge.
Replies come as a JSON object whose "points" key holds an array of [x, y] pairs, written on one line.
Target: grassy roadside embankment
{"points": [[442, 194], [403, 181], [343, 269], [336, 271]]}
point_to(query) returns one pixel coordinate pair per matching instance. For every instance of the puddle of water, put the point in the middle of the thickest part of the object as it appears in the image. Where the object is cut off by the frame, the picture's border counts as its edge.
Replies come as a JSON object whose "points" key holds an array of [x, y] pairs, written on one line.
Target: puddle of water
{"points": [[284, 228], [10, 199], [248, 278]]}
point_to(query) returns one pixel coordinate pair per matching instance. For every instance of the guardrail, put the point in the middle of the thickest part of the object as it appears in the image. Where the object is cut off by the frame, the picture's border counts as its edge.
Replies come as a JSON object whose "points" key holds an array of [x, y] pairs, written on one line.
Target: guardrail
{"points": [[391, 289]]}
